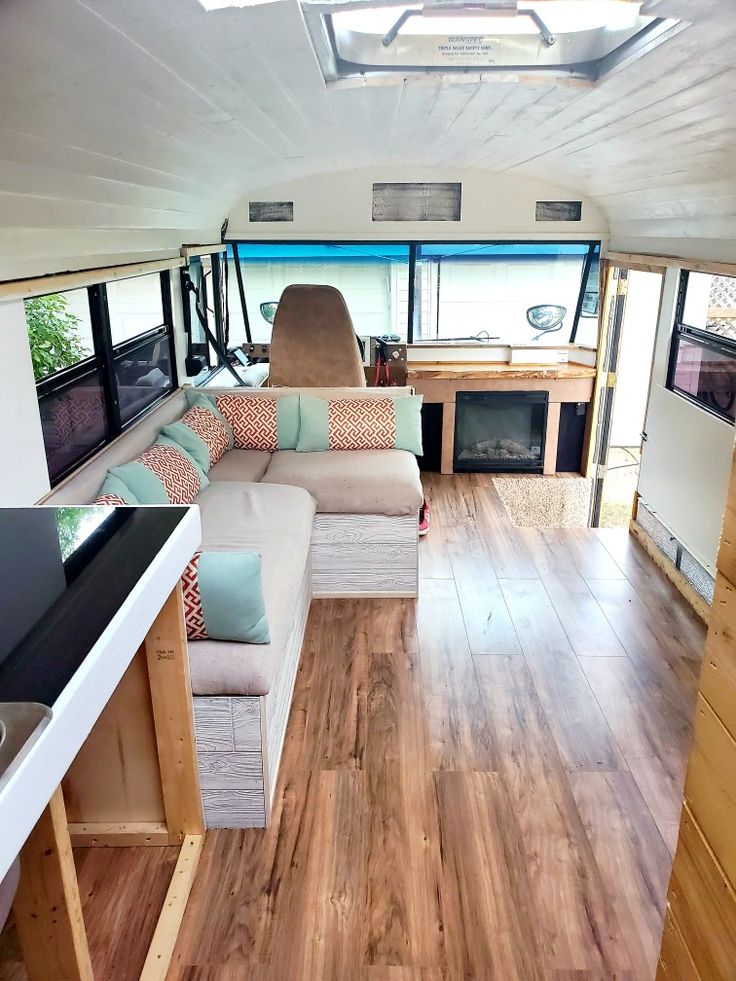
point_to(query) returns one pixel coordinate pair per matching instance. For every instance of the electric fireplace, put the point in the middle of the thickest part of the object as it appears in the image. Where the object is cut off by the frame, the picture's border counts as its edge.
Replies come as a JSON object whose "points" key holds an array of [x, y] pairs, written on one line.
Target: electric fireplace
{"points": [[500, 432]]}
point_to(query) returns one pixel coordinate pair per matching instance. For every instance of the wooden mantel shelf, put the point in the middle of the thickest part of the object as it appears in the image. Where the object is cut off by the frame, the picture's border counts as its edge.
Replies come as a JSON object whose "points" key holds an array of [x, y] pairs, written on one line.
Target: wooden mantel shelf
{"points": [[424, 371]]}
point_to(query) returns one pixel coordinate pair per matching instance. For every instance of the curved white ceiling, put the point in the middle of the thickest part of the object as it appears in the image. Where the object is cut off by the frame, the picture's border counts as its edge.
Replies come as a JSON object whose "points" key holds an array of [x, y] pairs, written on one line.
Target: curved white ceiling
{"points": [[134, 126]]}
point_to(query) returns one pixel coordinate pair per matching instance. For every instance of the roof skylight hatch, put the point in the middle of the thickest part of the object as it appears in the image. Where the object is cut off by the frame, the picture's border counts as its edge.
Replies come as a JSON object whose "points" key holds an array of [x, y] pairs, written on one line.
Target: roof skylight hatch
{"points": [[582, 39]]}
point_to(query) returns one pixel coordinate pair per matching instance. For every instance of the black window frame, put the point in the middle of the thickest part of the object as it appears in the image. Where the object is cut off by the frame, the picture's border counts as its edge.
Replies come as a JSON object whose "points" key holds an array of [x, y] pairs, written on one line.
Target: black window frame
{"points": [[213, 303], [102, 364], [707, 339], [413, 245]]}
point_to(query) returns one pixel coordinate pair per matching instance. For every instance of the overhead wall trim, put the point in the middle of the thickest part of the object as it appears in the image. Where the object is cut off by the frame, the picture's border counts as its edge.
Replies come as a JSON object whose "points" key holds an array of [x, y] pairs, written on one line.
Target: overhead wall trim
{"points": [[23, 289], [190, 251], [649, 262]]}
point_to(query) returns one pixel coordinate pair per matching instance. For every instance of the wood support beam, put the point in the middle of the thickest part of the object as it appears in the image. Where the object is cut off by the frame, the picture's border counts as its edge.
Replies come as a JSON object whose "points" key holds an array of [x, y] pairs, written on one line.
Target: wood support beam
{"points": [[167, 929], [448, 437], [47, 907], [107, 835], [171, 696]]}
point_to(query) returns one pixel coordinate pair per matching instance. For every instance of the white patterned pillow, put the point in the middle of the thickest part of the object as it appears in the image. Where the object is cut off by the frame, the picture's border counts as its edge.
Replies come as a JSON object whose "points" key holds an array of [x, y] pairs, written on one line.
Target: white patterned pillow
{"points": [[380, 423], [163, 474], [261, 422]]}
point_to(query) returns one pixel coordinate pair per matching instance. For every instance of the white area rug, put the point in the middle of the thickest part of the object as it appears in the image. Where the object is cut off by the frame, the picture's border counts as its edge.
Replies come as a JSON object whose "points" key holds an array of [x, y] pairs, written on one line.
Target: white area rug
{"points": [[545, 502]]}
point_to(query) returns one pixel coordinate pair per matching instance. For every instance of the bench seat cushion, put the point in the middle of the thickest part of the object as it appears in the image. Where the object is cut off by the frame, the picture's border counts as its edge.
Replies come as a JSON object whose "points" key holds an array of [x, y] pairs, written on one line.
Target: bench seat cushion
{"points": [[277, 522], [352, 481], [242, 465]]}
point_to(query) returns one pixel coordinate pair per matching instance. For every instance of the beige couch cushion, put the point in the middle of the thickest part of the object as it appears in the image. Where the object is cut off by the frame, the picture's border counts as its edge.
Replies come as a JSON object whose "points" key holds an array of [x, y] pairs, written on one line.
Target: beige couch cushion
{"points": [[244, 465], [352, 481], [277, 522]]}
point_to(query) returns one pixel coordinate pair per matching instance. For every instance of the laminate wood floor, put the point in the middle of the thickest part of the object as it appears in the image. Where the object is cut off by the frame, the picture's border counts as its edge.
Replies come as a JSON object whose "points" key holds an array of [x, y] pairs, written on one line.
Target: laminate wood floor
{"points": [[485, 784]]}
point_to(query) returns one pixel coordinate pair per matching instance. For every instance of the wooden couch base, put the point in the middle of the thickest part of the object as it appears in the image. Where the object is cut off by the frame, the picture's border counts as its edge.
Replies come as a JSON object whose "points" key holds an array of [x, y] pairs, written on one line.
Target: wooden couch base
{"points": [[240, 739], [368, 555]]}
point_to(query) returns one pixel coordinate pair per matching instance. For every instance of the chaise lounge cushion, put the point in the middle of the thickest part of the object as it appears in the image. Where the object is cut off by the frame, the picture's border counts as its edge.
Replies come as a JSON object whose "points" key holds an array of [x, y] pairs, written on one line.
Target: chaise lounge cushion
{"points": [[243, 465], [277, 522], [352, 481]]}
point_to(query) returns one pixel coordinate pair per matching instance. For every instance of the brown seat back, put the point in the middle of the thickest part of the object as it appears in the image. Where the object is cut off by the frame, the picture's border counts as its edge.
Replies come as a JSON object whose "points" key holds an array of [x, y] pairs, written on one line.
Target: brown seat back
{"points": [[313, 343]]}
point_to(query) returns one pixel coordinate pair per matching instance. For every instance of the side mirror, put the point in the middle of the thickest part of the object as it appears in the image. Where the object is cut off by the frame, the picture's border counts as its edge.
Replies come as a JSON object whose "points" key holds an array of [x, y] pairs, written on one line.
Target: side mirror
{"points": [[268, 311], [546, 317]]}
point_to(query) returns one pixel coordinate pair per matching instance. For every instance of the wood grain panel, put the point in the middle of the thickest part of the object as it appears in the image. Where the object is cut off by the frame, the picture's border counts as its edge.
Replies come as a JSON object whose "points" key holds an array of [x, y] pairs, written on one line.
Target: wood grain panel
{"points": [[710, 788], [675, 962], [404, 918], [646, 635], [477, 833], [580, 728], [631, 856], [572, 921], [585, 624], [703, 904], [460, 737], [348, 560], [718, 676], [487, 621], [355, 529], [279, 699], [726, 560], [213, 724], [128, 787]]}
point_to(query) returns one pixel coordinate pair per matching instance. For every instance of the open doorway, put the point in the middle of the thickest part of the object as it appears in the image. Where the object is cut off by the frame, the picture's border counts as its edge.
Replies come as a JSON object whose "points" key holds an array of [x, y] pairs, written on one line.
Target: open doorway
{"points": [[632, 328]]}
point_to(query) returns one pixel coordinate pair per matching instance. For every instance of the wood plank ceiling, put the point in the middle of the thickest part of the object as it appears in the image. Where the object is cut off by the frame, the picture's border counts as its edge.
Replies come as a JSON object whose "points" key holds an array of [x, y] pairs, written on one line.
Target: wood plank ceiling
{"points": [[135, 126]]}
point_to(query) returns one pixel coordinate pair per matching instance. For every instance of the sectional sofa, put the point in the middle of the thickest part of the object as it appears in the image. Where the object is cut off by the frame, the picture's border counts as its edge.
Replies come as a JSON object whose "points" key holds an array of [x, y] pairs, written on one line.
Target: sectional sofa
{"points": [[330, 523]]}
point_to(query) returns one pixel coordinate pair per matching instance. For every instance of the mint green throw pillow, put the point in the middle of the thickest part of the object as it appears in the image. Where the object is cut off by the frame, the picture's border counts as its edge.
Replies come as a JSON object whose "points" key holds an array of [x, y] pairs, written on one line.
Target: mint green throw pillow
{"points": [[205, 442], [163, 474], [360, 423], [113, 486], [223, 598]]}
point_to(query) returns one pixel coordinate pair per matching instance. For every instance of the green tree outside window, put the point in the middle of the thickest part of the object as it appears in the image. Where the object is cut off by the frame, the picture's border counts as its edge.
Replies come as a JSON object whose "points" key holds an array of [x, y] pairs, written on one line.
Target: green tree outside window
{"points": [[54, 335]]}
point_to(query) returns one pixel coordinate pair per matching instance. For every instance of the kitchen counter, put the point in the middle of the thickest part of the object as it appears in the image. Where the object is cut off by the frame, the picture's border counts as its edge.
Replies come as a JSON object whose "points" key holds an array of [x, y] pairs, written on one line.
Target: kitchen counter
{"points": [[92, 604], [424, 371]]}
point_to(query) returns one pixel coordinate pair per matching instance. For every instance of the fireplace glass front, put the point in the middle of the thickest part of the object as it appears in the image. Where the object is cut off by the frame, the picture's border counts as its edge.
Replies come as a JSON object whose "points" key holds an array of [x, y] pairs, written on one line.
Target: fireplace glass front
{"points": [[500, 432]]}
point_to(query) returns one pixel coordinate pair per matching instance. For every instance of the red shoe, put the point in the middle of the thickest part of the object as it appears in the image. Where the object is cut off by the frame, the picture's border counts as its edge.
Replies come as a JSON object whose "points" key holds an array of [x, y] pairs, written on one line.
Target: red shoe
{"points": [[423, 519]]}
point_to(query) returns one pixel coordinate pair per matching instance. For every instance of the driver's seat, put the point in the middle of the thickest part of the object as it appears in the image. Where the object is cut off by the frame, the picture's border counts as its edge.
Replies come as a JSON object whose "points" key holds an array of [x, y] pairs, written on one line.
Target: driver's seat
{"points": [[313, 344]]}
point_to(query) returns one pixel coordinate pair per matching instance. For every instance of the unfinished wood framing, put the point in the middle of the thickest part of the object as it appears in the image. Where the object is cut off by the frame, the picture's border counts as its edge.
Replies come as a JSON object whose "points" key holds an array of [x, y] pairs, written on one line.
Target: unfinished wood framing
{"points": [[165, 936], [134, 782], [171, 696], [114, 835], [447, 459], [47, 907], [702, 892]]}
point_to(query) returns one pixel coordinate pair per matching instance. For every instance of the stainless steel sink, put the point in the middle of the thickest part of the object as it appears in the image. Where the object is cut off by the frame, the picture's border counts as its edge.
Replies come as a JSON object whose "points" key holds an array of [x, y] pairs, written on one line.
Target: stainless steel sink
{"points": [[20, 723]]}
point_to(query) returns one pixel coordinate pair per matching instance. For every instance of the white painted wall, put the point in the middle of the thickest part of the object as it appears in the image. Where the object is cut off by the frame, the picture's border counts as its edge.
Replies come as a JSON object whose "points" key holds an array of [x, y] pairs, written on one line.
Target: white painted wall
{"points": [[635, 358], [23, 475], [686, 460], [339, 206]]}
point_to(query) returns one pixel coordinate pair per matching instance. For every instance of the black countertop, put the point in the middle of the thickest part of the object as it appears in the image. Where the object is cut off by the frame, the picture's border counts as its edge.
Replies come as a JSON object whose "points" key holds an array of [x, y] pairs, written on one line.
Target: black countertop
{"points": [[64, 574]]}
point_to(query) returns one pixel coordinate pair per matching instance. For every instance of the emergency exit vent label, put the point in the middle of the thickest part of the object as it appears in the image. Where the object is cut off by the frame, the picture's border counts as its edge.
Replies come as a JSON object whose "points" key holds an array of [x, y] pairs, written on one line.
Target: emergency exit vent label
{"points": [[468, 50]]}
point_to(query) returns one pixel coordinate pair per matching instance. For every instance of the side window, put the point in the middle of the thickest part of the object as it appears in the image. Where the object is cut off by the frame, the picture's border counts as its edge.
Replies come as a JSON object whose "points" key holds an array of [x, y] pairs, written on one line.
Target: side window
{"points": [[101, 357], [703, 353]]}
